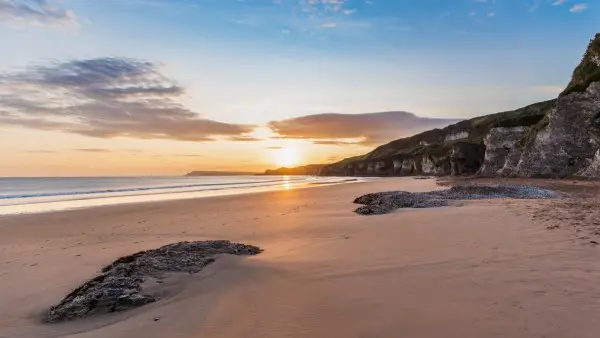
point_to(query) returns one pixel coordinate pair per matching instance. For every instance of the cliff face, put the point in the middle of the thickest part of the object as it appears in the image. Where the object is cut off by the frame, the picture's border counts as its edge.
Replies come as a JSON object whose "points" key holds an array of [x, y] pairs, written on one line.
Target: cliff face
{"points": [[557, 138], [502, 150], [459, 149], [568, 143]]}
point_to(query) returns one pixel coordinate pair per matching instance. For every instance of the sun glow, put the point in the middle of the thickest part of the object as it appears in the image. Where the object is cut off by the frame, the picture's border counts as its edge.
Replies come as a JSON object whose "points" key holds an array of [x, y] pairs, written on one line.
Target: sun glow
{"points": [[287, 157]]}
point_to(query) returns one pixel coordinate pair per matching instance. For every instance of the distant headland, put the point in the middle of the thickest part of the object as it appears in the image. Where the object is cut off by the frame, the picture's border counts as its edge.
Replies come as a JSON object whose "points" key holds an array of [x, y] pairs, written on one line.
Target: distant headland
{"points": [[219, 173], [311, 169]]}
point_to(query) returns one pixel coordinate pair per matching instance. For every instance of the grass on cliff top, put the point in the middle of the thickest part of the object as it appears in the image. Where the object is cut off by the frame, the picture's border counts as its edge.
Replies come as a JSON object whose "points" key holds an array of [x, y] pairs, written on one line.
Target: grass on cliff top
{"points": [[588, 70], [523, 117], [529, 137], [351, 159]]}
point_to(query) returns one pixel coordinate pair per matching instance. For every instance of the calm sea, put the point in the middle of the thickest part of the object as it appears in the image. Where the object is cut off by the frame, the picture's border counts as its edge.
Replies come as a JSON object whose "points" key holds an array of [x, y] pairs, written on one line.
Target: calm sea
{"points": [[24, 195]]}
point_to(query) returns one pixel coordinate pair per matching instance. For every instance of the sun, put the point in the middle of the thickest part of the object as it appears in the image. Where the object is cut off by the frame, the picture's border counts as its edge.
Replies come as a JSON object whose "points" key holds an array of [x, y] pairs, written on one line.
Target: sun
{"points": [[287, 157]]}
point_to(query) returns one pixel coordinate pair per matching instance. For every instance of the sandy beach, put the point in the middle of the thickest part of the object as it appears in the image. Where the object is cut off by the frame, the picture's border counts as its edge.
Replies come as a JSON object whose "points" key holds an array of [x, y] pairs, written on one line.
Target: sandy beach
{"points": [[487, 268]]}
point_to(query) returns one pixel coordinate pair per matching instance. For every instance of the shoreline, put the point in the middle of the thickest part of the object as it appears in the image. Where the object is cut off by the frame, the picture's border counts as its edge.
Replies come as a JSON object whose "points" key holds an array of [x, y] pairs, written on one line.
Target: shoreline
{"points": [[155, 197], [467, 270]]}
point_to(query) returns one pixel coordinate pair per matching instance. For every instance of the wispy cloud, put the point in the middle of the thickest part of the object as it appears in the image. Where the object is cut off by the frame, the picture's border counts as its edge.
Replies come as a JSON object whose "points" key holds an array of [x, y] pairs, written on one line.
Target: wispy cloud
{"points": [[326, 14], [325, 5], [534, 5], [190, 155], [334, 142], [93, 150], [41, 151], [367, 129], [578, 8], [105, 98], [487, 12], [244, 138], [16, 13], [559, 2]]}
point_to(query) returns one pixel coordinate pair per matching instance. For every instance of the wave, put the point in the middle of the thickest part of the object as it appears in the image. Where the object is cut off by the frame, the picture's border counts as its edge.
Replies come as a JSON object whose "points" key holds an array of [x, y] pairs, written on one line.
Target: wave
{"points": [[232, 185]]}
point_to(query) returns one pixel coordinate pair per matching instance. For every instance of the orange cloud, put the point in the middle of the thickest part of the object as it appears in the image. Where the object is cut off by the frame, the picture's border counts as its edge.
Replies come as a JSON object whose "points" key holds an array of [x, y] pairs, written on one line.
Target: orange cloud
{"points": [[368, 128]]}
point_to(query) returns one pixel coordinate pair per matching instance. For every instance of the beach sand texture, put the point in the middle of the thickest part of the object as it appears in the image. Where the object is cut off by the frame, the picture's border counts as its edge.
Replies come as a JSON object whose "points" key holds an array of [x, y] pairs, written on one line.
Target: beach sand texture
{"points": [[486, 268]]}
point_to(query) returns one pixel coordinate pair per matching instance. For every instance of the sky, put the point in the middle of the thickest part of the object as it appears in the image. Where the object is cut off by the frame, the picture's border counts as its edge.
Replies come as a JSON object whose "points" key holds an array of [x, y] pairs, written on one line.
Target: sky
{"points": [[164, 87]]}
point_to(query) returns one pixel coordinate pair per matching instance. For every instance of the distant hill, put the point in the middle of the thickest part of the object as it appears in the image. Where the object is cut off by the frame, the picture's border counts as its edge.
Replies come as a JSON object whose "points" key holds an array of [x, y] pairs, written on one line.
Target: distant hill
{"points": [[219, 173]]}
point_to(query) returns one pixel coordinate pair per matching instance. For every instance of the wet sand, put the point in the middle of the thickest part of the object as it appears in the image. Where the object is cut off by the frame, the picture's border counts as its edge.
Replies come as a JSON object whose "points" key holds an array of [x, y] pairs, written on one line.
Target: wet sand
{"points": [[487, 268]]}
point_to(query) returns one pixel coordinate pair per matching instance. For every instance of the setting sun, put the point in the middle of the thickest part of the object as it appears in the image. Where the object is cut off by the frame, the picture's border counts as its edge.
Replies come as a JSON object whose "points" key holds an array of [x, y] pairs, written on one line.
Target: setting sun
{"points": [[287, 157]]}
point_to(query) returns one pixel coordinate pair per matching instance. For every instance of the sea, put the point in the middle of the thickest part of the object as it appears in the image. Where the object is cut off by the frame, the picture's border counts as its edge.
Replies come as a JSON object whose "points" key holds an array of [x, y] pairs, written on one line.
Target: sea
{"points": [[43, 194]]}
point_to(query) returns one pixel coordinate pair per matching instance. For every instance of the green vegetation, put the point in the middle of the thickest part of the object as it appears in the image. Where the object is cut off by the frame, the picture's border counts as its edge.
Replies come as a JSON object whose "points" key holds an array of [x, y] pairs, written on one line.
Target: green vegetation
{"points": [[351, 159], [529, 137], [523, 117], [588, 70]]}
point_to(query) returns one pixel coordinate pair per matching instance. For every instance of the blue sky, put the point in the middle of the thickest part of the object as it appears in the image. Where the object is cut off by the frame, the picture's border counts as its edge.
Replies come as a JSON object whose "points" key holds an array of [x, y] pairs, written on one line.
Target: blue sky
{"points": [[253, 62]]}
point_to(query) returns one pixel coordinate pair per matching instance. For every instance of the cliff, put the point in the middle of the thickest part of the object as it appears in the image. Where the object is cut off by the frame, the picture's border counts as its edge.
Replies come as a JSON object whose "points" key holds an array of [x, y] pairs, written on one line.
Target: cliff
{"points": [[556, 138], [454, 150], [568, 142]]}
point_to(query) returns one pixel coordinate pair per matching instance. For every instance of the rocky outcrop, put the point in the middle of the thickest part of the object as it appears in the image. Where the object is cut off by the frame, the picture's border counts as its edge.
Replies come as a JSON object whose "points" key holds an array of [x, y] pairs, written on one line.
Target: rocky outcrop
{"points": [[502, 151], [593, 169], [456, 136], [588, 70], [409, 167], [120, 286], [567, 141], [566, 145], [427, 166]]}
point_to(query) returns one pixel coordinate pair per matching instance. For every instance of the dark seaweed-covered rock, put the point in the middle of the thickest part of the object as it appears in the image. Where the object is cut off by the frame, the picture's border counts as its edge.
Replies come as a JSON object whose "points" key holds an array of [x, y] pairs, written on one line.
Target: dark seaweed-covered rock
{"points": [[119, 287], [471, 192], [386, 202]]}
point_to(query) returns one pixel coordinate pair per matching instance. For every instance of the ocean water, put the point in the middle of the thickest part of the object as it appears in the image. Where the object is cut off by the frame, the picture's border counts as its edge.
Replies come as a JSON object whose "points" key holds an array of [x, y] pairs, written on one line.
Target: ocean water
{"points": [[26, 195]]}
